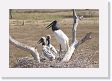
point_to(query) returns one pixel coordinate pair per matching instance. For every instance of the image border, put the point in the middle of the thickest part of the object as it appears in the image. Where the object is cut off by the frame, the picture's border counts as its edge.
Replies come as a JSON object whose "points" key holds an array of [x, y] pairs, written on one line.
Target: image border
{"points": [[101, 72]]}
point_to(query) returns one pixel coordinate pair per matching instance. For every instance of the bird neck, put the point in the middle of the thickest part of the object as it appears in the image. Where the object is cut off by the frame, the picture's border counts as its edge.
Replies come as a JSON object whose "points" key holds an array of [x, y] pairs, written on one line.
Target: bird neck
{"points": [[54, 28], [43, 44], [49, 42]]}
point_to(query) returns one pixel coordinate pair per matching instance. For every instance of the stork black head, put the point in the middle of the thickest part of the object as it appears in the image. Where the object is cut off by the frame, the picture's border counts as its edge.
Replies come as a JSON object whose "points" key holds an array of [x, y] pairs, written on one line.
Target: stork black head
{"points": [[54, 26], [42, 40], [48, 38]]}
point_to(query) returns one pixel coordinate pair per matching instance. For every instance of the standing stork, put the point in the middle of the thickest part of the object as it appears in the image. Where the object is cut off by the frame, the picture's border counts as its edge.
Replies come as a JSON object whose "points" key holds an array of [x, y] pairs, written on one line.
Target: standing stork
{"points": [[60, 36], [45, 49], [52, 48]]}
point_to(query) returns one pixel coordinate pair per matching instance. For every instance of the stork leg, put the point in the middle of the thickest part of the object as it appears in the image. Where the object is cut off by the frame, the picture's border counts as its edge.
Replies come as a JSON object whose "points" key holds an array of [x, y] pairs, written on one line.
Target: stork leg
{"points": [[60, 50]]}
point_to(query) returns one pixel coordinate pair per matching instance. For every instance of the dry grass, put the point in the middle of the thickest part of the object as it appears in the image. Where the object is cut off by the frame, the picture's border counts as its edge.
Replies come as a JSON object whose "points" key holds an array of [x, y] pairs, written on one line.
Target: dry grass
{"points": [[86, 56]]}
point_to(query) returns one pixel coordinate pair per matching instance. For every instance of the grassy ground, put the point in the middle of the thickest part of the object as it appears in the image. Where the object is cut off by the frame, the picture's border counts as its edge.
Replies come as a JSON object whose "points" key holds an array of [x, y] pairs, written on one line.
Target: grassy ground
{"points": [[28, 28]]}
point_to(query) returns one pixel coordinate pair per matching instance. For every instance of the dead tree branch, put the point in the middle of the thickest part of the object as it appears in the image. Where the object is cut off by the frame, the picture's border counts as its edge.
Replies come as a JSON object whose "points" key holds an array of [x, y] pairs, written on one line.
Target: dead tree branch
{"points": [[25, 47], [75, 24], [85, 38], [74, 46]]}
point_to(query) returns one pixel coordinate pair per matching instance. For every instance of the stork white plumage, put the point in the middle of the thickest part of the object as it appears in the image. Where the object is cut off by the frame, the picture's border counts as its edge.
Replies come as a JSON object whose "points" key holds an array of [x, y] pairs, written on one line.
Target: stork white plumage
{"points": [[46, 50], [52, 48], [60, 36]]}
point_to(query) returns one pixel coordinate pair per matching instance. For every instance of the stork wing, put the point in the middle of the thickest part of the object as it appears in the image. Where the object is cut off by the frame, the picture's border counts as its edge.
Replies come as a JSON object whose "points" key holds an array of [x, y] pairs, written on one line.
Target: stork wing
{"points": [[48, 53], [52, 48]]}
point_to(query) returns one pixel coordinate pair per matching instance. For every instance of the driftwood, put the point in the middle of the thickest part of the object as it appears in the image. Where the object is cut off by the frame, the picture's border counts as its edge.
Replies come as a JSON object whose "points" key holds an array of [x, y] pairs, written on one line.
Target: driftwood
{"points": [[25, 47]]}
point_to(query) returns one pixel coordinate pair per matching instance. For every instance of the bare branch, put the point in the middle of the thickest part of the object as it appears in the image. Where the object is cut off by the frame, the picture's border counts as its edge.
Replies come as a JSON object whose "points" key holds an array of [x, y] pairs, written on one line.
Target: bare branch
{"points": [[74, 46], [25, 47], [75, 24], [85, 38]]}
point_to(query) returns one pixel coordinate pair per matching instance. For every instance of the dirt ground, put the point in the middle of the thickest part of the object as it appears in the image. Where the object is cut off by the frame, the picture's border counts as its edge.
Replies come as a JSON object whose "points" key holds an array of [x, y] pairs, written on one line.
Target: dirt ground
{"points": [[28, 28]]}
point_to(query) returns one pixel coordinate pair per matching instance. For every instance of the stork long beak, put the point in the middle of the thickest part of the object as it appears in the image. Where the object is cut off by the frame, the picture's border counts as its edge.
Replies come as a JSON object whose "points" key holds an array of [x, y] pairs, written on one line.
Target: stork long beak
{"points": [[40, 41], [49, 26]]}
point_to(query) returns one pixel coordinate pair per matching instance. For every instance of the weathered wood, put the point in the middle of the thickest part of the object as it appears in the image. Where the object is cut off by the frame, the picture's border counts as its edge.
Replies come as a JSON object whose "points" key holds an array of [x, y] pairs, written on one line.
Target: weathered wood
{"points": [[25, 47], [85, 38], [74, 46], [75, 24]]}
